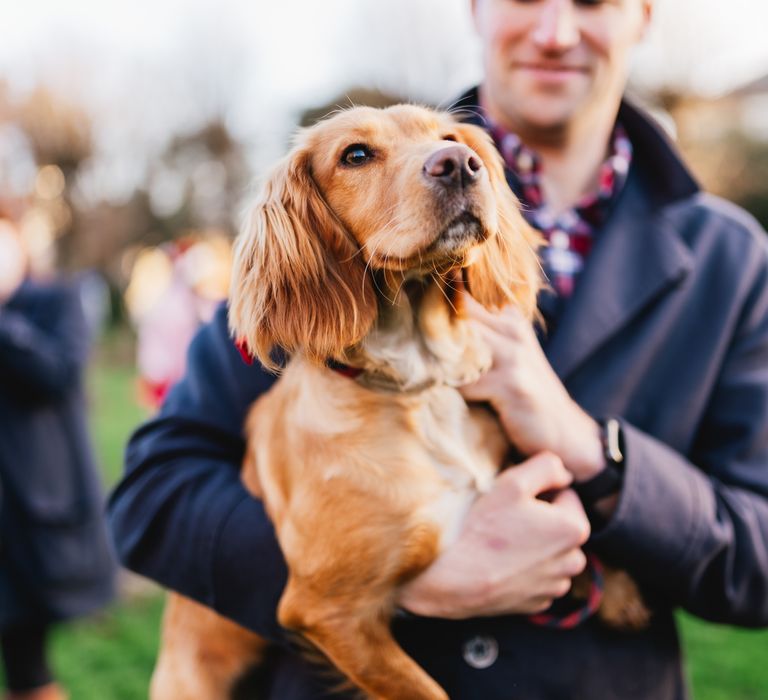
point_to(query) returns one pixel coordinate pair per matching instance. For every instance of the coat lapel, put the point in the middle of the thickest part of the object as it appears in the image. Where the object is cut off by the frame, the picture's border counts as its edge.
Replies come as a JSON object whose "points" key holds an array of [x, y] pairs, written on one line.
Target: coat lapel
{"points": [[636, 258]]}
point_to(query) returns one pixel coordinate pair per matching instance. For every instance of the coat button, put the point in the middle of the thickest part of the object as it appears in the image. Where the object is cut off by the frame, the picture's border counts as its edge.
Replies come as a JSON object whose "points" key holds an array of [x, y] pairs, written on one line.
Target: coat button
{"points": [[481, 652]]}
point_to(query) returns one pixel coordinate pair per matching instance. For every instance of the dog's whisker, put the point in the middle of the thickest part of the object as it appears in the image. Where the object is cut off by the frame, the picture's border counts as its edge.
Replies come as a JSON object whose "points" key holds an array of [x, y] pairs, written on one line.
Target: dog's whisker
{"points": [[382, 292], [396, 293], [505, 243], [361, 248], [445, 283], [367, 271], [454, 110]]}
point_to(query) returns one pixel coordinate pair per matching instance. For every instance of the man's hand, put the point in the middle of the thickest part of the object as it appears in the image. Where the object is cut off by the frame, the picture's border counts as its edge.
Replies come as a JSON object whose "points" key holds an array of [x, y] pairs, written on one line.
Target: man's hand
{"points": [[534, 407], [516, 553], [12, 261]]}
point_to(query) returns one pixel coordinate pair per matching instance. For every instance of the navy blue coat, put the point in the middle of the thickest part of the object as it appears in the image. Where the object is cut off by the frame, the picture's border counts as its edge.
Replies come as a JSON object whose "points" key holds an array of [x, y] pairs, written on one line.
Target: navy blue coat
{"points": [[668, 330], [56, 559]]}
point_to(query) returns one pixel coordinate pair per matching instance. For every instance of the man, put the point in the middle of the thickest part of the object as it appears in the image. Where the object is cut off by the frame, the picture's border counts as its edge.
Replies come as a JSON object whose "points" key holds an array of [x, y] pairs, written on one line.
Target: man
{"points": [[555, 72], [651, 391]]}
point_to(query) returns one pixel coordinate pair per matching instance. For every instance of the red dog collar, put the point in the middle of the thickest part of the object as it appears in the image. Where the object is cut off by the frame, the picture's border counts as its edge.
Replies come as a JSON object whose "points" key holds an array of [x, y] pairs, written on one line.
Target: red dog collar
{"points": [[341, 368], [583, 613], [242, 348]]}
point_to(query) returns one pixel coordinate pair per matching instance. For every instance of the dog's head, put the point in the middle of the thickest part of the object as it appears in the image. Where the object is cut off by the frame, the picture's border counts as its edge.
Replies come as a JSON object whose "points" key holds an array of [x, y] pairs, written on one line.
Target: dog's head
{"points": [[401, 191]]}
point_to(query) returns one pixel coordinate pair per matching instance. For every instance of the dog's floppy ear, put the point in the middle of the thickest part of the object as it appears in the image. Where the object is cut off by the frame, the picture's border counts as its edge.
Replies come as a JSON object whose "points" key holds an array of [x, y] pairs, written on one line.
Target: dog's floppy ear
{"points": [[505, 269], [298, 282]]}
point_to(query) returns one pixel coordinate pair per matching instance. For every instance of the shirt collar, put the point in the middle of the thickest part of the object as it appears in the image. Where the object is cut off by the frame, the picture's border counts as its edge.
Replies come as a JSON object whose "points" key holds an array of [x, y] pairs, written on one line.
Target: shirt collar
{"points": [[525, 163]]}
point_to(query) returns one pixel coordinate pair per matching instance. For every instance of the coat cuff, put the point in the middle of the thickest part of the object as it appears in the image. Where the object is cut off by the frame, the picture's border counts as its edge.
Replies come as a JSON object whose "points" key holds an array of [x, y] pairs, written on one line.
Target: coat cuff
{"points": [[661, 514], [248, 570]]}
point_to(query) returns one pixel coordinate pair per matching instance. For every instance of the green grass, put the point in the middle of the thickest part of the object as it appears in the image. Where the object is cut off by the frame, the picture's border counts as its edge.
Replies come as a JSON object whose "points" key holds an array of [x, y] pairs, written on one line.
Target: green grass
{"points": [[725, 663], [111, 657], [114, 409]]}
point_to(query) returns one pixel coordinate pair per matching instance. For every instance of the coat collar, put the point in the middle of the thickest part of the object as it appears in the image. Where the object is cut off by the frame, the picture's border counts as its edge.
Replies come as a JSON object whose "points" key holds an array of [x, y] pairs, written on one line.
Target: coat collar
{"points": [[637, 257]]}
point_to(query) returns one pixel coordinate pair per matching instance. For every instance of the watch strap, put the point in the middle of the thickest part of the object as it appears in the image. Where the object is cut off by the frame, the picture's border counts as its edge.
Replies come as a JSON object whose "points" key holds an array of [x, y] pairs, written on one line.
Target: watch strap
{"points": [[609, 480], [603, 484]]}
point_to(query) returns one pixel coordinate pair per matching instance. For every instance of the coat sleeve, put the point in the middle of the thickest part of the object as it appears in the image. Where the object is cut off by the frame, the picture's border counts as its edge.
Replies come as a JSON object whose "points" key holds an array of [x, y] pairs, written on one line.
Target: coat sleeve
{"points": [[180, 515], [43, 344], [695, 528]]}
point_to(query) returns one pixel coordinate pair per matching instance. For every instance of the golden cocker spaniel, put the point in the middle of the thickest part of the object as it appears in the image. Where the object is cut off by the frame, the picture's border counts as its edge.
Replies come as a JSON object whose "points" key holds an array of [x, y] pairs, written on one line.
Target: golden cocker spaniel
{"points": [[364, 452]]}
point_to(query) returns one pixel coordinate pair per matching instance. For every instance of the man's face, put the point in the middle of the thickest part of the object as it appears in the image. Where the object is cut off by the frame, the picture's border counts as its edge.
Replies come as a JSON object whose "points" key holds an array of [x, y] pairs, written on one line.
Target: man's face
{"points": [[550, 63]]}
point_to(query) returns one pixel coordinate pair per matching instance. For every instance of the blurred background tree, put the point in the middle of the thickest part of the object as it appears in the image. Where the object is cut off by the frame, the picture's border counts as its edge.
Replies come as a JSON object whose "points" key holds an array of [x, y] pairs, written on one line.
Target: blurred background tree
{"points": [[726, 141]]}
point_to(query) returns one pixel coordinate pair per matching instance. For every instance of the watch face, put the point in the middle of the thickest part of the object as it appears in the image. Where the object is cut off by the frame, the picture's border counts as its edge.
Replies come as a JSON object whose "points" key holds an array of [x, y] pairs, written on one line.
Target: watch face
{"points": [[612, 441]]}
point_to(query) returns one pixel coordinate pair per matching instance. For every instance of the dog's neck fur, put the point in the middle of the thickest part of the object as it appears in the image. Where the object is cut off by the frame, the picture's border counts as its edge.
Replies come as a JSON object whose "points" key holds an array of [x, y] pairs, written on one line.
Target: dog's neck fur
{"points": [[420, 338]]}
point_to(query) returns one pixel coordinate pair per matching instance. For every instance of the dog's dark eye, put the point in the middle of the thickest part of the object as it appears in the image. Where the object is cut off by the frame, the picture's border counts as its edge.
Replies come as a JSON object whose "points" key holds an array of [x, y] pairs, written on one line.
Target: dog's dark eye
{"points": [[356, 154], [450, 137]]}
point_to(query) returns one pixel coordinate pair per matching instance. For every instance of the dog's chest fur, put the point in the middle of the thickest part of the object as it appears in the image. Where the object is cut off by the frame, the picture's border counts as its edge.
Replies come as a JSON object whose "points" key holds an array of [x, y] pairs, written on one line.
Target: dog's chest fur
{"points": [[401, 435], [426, 453]]}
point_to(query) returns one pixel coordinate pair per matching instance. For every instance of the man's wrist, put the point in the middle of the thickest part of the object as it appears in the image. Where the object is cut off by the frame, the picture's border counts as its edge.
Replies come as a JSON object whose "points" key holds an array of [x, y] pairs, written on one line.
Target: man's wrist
{"points": [[588, 459], [600, 493]]}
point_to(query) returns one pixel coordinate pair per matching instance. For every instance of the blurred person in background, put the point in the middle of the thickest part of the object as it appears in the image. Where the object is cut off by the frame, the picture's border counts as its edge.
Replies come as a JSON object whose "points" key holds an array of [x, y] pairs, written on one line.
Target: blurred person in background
{"points": [[173, 289], [650, 385], [55, 559]]}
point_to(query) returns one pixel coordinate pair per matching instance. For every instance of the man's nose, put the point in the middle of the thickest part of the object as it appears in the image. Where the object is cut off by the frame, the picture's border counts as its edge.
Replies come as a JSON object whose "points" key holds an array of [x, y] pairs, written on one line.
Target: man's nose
{"points": [[556, 27]]}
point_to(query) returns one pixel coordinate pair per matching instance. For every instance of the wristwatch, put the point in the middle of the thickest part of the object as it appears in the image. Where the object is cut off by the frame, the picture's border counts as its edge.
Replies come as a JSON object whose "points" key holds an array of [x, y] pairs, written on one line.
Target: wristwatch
{"points": [[610, 479]]}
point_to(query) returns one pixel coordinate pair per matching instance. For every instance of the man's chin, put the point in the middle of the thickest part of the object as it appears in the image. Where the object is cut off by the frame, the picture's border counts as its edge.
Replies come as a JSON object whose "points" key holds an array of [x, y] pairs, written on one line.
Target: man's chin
{"points": [[548, 117], [534, 111]]}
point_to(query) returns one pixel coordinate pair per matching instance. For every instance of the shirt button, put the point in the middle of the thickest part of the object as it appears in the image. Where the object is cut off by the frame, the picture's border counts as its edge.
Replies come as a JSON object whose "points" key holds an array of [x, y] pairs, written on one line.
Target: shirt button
{"points": [[481, 652], [525, 162], [560, 239]]}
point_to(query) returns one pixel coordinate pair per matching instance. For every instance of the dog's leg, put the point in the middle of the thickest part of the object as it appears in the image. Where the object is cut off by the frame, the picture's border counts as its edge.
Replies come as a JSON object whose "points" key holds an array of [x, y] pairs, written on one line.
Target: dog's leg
{"points": [[358, 642], [346, 612], [202, 654], [378, 665]]}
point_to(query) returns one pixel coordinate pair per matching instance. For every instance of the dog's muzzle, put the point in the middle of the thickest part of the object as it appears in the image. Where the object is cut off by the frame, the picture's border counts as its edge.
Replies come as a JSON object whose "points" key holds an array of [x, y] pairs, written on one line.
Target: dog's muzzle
{"points": [[462, 232]]}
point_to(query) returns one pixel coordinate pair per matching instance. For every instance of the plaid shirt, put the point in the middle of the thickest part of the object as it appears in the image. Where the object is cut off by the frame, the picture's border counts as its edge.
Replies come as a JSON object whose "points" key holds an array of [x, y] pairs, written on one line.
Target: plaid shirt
{"points": [[570, 235]]}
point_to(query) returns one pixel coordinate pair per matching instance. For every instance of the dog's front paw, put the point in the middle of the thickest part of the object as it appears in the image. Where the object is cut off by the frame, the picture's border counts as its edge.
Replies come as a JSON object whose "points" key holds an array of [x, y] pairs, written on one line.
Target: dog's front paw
{"points": [[476, 360]]}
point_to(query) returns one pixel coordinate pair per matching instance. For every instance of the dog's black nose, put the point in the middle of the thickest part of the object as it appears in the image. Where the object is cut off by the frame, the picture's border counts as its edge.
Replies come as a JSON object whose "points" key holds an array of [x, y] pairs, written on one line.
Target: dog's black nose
{"points": [[453, 166]]}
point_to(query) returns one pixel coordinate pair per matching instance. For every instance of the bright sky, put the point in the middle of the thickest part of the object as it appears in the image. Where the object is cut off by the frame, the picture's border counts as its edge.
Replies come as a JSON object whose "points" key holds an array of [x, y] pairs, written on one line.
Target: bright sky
{"points": [[152, 66]]}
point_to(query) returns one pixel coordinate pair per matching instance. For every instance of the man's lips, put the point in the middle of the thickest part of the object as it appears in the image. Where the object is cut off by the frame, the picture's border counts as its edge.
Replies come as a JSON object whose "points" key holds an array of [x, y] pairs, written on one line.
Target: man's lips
{"points": [[550, 69], [546, 65]]}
